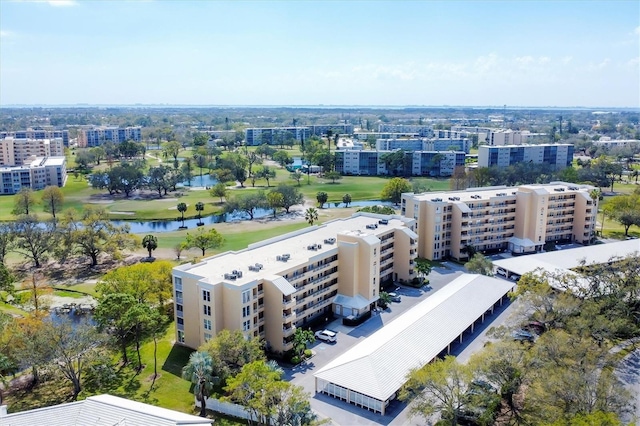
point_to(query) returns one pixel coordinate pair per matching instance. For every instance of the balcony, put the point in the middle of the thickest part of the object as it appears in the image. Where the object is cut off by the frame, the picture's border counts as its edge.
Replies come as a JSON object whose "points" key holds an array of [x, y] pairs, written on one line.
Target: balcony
{"points": [[288, 331], [288, 302]]}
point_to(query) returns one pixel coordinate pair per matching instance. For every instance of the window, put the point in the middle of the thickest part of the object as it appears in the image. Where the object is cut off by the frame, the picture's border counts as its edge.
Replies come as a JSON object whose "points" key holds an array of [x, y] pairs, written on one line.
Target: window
{"points": [[207, 337], [207, 310], [179, 307], [246, 311], [178, 283], [180, 321], [178, 295], [207, 324], [206, 295], [181, 336], [246, 296], [246, 325]]}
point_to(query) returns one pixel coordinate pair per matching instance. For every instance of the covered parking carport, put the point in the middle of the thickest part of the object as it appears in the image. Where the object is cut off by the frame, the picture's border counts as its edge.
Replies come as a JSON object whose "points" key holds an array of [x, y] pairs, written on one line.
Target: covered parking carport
{"points": [[371, 373]]}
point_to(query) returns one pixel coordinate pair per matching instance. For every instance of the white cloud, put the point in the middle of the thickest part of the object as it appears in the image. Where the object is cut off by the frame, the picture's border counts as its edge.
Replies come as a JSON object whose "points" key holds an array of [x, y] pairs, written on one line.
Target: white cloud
{"points": [[544, 60], [6, 34], [637, 31], [524, 60], [567, 59]]}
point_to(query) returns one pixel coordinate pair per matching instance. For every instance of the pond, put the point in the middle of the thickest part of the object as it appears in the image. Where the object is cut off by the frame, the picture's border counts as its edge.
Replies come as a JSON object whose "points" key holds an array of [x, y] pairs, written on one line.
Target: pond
{"points": [[174, 225], [155, 226], [204, 180]]}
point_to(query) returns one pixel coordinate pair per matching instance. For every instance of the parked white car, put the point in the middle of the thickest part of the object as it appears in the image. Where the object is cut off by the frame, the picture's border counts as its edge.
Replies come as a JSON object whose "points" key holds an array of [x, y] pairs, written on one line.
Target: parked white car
{"points": [[327, 336]]}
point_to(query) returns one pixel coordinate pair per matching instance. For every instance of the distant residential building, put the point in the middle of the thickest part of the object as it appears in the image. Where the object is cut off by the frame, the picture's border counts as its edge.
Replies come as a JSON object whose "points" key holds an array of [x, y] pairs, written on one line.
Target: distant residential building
{"points": [[424, 144], [518, 219], [255, 136], [321, 129], [347, 143], [626, 143], [88, 138], [15, 151], [421, 130], [38, 134], [497, 137], [275, 286], [385, 135], [422, 163], [40, 173], [556, 155]]}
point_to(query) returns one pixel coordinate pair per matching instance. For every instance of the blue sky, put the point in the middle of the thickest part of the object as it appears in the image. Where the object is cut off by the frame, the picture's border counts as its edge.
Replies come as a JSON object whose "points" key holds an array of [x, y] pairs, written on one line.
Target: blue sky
{"points": [[518, 53]]}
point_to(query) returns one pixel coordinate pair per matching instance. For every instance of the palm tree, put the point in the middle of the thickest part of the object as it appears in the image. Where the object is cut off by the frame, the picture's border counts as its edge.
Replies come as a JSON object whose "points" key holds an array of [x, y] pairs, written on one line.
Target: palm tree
{"points": [[182, 207], [199, 209], [150, 242], [596, 195], [311, 215], [199, 371]]}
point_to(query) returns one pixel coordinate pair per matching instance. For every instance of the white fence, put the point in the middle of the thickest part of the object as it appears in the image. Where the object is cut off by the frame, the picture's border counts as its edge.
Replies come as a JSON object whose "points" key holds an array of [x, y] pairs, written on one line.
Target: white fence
{"points": [[227, 408]]}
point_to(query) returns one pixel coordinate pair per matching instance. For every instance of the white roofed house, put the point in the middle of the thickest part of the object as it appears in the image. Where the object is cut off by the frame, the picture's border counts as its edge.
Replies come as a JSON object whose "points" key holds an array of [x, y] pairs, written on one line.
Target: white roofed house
{"points": [[101, 410]]}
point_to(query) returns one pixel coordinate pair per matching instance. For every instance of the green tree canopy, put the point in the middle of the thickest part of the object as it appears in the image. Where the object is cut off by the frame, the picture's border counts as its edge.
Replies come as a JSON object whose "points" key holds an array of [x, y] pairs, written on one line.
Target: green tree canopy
{"points": [[394, 189], [204, 240]]}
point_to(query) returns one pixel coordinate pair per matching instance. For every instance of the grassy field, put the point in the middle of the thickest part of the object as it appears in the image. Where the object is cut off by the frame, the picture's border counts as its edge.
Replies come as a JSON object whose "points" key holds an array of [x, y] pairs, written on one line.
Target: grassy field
{"points": [[170, 390]]}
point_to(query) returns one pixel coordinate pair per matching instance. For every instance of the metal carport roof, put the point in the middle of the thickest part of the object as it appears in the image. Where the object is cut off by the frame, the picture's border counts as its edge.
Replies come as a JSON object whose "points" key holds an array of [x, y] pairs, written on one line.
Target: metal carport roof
{"points": [[379, 365]]}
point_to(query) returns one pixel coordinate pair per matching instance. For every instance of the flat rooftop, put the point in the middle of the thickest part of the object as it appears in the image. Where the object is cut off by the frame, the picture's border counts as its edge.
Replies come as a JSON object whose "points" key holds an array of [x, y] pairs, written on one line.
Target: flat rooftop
{"points": [[294, 244], [564, 260], [378, 366], [467, 195]]}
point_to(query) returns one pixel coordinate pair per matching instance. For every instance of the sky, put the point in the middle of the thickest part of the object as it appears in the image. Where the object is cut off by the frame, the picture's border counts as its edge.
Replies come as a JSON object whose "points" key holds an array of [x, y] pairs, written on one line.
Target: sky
{"points": [[395, 53]]}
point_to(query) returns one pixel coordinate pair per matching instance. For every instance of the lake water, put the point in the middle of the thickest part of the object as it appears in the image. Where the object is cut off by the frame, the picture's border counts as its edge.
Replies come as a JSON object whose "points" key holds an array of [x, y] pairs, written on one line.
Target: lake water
{"points": [[204, 180]]}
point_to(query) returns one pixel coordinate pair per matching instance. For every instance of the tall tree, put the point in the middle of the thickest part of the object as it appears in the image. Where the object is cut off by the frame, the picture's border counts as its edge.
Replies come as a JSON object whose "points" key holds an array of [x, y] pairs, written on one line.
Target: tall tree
{"points": [[150, 242], [33, 239], [393, 190], [199, 209], [624, 209], [199, 372], [322, 197], [6, 240], [219, 190], [311, 215], [74, 345], [110, 314], [204, 240], [52, 199], [346, 199], [247, 203], [478, 264], [440, 386], [275, 200], [182, 207], [95, 235], [24, 201], [290, 196], [232, 350]]}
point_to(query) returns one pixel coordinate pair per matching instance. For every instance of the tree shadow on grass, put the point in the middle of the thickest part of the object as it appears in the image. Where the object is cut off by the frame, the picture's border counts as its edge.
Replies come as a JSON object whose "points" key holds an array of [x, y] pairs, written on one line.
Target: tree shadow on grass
{"points": [[177, 358]]}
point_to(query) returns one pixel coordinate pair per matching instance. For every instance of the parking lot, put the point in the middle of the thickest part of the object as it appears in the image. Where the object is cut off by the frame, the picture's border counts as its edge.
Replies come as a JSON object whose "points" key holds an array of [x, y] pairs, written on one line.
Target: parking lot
{"points": [[343, 413]]}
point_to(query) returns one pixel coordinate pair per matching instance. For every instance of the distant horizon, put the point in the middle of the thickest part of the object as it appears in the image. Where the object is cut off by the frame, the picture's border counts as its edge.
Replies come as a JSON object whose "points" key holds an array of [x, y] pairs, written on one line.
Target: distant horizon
{"points": [[322, 106]]}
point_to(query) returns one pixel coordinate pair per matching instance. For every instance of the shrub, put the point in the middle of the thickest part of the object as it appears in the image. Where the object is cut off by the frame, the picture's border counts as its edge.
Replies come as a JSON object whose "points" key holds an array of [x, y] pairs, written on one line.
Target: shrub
{"points": [[307, 353], [295, 359]]}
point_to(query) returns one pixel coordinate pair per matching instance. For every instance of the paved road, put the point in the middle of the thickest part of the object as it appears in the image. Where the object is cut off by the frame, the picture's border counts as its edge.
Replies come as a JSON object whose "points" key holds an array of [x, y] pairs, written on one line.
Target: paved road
{"points": [[629, 373], [342, 413]]}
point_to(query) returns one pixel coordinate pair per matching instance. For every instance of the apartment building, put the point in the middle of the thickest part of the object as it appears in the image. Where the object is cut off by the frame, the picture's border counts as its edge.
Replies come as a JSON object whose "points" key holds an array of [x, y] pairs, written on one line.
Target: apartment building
{"points": [[274, 135], [321, 129], [421, 163], [16, 152], [384, 135], [272, 287], [618, 143], [425, 144], [556, 155], [88, 138], [518, 219], [38, 174], [38, 134], [421, 130]]}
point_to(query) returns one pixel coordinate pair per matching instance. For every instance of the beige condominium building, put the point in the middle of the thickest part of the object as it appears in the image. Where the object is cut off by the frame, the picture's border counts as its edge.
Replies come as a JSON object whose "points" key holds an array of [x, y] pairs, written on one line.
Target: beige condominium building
{"points": [[16, 152], [518, 219], [272, 287]]}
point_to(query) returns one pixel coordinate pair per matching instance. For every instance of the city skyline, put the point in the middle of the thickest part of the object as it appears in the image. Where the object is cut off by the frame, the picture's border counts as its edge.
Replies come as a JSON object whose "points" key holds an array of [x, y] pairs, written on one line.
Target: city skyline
{"points": [[353, 53]]}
